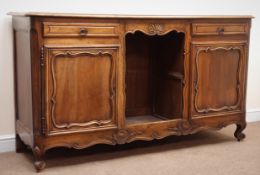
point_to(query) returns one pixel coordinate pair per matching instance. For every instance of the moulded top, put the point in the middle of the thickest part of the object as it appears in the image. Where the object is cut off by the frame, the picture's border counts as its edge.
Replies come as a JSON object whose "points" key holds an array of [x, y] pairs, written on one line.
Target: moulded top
{"points": [[48, 14]]}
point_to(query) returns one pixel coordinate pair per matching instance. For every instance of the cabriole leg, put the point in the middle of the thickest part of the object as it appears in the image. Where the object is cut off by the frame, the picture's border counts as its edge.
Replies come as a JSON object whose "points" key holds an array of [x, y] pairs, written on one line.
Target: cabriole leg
{"points": [[39, 163], [238, 133]]}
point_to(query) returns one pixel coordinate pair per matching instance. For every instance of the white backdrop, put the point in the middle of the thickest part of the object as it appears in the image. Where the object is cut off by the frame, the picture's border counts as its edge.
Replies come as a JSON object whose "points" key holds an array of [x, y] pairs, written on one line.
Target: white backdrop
{"points": [[151, 7]]}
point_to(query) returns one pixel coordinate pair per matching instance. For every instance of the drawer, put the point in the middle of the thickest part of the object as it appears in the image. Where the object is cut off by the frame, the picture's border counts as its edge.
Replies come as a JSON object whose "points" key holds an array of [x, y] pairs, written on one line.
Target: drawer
{"points": [[54, 29], [219, 28]]}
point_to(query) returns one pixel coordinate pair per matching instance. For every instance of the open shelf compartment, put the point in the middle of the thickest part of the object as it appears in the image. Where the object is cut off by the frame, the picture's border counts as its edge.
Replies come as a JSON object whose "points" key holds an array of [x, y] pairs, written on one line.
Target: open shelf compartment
{"points": [[154, 77]]}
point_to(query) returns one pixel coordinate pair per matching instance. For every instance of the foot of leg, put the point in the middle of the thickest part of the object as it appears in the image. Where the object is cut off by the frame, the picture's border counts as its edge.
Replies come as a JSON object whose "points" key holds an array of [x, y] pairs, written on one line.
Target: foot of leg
{"points": [[238, 133], [39, 163]]}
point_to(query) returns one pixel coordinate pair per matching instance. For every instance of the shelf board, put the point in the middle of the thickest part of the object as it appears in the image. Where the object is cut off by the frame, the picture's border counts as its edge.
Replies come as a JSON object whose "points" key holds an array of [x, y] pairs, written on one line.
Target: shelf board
{"points": [[143, 119]]}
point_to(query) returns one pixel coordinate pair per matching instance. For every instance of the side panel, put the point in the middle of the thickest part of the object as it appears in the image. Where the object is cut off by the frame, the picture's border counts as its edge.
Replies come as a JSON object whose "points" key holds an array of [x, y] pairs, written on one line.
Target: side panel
{"points": [[23, 84]]}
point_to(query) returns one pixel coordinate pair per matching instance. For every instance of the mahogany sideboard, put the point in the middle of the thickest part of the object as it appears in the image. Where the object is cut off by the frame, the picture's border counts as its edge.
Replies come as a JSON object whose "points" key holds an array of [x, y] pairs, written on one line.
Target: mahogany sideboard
{"points": [[83, 79]]}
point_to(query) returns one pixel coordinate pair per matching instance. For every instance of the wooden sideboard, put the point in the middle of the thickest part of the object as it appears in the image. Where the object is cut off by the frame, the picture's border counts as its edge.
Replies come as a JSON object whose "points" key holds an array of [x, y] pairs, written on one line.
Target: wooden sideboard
{"points": [[83, 79]]}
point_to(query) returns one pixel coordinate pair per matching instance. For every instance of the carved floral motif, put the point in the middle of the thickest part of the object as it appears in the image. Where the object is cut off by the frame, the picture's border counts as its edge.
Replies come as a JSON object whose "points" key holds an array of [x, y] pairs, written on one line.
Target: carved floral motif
{"points": [[155, 29]]}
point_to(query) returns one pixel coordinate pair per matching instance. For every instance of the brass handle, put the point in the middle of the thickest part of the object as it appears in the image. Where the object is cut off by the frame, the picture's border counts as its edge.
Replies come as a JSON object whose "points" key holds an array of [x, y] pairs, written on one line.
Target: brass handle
{"points": [[83, 32], [221, 30]]}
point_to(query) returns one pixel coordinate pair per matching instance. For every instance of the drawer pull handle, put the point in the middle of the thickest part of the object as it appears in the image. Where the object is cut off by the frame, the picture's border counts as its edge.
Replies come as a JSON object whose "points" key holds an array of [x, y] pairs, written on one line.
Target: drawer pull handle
{"points": [[83, 32], [221, 31]]}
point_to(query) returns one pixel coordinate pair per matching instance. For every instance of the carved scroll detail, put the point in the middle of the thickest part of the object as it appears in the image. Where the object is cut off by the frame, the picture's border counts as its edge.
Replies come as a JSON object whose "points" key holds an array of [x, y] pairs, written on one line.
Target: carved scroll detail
{"points": [[196, 84], [72, 54], [77, 145], [156, 29], [183, 127], [125, 136]]}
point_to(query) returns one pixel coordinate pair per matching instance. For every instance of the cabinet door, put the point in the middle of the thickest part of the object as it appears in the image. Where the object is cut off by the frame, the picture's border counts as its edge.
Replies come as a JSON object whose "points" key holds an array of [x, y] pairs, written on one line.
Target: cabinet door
{"points": [[80, 87], [218, 75]]}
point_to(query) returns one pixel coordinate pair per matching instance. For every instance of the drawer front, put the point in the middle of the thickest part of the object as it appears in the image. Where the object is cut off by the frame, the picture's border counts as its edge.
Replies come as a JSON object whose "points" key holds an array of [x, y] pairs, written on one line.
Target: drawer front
{"points": [[53, 29], [219, 29]]}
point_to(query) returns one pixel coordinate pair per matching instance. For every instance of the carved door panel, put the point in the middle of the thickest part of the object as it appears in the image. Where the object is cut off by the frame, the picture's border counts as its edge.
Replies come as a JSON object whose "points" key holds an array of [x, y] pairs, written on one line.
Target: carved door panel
{"points": [[80, 89], [218, 76]]}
